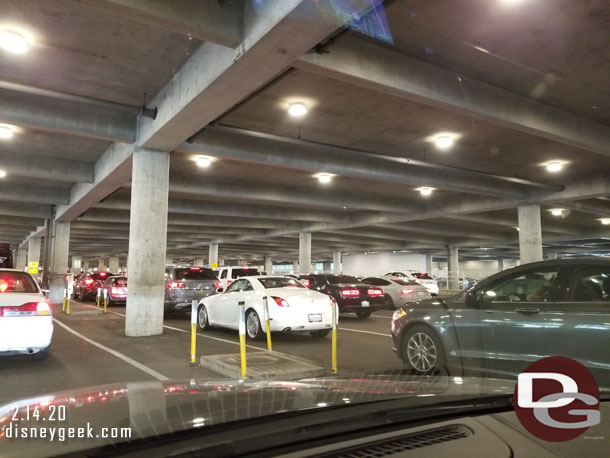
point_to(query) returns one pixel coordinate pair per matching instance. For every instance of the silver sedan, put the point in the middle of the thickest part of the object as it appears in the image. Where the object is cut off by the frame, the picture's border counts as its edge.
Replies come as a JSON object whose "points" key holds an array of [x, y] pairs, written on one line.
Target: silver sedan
{"points": [[398, 291]]}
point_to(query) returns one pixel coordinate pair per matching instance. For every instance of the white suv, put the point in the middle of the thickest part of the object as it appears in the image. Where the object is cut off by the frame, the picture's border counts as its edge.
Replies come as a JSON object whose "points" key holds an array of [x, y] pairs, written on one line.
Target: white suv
{"points": [[420, 277], [228, 274]]}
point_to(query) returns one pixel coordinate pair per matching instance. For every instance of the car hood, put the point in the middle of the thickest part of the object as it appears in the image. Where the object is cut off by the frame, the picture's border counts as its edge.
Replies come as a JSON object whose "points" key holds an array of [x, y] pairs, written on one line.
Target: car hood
{"points": [[155, 408]]}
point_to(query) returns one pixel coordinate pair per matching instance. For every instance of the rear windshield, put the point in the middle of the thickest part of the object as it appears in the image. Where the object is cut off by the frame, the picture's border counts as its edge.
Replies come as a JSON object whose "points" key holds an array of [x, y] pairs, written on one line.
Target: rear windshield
{"points": [[195, 274], [422, 276], [280, 282], [237, 273], [338, 279], [6, 256], [17, 282], [404, 282], [118, 281]]}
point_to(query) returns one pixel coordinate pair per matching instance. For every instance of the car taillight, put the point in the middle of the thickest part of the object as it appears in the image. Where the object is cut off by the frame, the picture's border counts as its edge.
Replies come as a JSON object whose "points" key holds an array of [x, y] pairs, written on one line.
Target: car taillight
{"points": [[407, 291], [3, 287], [350, 293], [229, 282], [88, 281], [281, 302], [175, 285], [103, 274], [306, 282], [27, 309], [197, 269], [375, 292], [217, 285]]}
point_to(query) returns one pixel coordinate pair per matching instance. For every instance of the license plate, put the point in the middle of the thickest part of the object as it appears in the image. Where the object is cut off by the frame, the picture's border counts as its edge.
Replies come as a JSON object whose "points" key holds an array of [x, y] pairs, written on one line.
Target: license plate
{"points": [[365, 303], [198, 291], [315, 317], [421, 293]]}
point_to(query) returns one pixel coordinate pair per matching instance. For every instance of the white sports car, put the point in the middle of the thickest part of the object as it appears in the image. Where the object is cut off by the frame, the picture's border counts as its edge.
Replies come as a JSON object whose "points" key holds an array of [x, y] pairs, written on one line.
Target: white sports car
{"points": [[292, 307]]}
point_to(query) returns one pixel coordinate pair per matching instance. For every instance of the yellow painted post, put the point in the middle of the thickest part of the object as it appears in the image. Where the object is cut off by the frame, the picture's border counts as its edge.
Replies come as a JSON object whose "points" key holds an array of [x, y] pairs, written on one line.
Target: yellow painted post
{"points": [[105, 299], [68, 305], [193, 332], [335, 317], [242, 338], [99, 295], [267, 327], [63, 304]]}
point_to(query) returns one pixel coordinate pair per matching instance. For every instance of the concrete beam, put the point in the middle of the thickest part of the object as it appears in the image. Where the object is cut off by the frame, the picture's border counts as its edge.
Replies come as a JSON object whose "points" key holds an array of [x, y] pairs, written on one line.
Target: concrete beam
{"points": [[216, 78], [213, 21], [25, 209], [29, 166], [364, 64], [32, 193]]}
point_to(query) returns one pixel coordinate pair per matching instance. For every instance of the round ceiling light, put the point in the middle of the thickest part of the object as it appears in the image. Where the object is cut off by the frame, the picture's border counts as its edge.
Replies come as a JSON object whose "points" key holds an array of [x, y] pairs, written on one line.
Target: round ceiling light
{"points": [[557, 211], [425, 191], [443, 142], [605, 221], [203, 161], [6, 132], [2, 173], [297, 110], [554, 166], [13, 42], [324, 178]]}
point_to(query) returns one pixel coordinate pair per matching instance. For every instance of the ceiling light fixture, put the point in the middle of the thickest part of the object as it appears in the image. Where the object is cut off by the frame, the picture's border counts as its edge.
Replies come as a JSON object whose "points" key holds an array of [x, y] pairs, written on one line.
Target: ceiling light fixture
{"points": [[6, 132], [324, 178], [13, 42], [554, 166], [297, 110], [556, 211], [425, 191], [2, 173], [443, 142], [203, 161], [605, 221], [482, 49]]}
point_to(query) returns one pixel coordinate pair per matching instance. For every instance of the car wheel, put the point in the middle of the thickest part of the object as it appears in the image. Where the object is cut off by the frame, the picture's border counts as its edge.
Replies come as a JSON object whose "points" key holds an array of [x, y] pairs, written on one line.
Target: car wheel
{"points": [[253, 326], [423, 351], [110, 303], [41, 355], [389, 302], [363, 315], [202, 318], [320, 333]]}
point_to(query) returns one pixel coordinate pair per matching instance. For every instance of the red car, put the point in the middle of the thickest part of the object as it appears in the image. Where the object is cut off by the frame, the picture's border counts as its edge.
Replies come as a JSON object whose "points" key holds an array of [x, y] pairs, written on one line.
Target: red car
{"points": [[117, 289], [87, 285]]}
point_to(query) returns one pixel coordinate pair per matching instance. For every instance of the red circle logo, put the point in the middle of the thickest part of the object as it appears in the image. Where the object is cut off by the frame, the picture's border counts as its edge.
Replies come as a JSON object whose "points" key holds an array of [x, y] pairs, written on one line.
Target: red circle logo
{"points": [[557, 399]]}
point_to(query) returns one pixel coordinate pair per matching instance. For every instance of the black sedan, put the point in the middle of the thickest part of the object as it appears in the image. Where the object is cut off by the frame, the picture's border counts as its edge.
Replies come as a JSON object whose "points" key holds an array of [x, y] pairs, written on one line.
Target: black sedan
{"points": [[511, 319], [351, 294]]}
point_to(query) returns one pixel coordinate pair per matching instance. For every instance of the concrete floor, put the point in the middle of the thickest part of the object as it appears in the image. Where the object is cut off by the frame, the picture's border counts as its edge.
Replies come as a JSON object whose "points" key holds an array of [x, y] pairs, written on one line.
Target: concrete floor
{"points": [[364, 346]]}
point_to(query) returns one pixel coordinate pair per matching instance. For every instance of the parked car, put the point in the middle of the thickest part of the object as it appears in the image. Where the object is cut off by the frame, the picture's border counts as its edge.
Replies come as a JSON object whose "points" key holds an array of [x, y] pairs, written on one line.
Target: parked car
{"points": [[185, 284], [228, 274], [511, 319], [6, 256], [117, 289], [351, 294], [420, 277], [26, 324], [88, 283], [292, 307], [398, 291]]}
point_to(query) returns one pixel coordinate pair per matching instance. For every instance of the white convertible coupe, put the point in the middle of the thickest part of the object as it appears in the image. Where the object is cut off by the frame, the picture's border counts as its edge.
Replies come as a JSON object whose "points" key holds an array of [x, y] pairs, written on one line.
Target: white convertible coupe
{"points": [[292, 307]]}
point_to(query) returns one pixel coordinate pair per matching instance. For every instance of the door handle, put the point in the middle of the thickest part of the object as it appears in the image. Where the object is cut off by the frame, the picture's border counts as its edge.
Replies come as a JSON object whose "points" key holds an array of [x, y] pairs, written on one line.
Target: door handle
{"points": [[528, 311]]}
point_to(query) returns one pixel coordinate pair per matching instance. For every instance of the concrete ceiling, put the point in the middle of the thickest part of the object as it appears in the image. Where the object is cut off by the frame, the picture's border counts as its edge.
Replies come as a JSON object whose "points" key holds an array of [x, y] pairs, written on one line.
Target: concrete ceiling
{"points": [[540, 93]]}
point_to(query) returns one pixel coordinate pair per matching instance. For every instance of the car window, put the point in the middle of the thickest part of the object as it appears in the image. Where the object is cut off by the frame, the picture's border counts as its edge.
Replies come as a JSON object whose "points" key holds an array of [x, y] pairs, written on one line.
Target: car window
{"points": [[243, 272], [195, 273], [527, 286], [422, 276], [247, 286], [280, 282], [223, 274], [591, 284], [404, 282], [118, 281], [376, 281], [338, 279], [17, 282], [235, 286]]}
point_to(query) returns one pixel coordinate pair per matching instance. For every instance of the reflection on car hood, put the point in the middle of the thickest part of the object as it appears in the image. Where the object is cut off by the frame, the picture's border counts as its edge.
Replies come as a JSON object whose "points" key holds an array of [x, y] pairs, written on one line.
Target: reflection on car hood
{"points": [[155, 408]]}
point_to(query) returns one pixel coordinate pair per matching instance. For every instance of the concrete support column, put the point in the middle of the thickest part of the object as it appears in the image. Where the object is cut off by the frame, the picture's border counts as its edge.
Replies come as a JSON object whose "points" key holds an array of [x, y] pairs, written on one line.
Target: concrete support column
{"points": [[453, 274], [22, 259], [304, 252], [147, 243], [85, 266], [337, 262], [221, 261], [326, 266], [551, 254], [59, 262], [101, 264], [169, 260], [530, 234], [500, 264], [429, 263], [34, 249], [77, 263], [198, 261], [269, 265], [113, 264], [213, 256]]}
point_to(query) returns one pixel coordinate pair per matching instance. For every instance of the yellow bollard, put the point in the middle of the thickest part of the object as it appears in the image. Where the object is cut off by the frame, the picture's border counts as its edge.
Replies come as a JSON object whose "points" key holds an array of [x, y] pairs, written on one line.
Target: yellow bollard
{"points": [[335, 318], [105, 299], [68, 305], [242, 338], [193, 332], [99, 295], [63, 304], [268, 328]]}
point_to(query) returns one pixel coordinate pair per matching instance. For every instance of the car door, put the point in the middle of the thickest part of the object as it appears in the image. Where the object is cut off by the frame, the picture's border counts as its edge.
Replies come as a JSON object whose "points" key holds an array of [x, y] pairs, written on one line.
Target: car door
{"points": [[579, 327], [501, 328], [223, 278], [225, 307]]}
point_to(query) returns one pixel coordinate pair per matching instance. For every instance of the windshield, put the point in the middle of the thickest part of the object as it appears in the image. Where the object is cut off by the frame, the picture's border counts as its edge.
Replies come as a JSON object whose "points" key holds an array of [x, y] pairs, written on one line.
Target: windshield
{"points": [[252, 209], [280, 282]]}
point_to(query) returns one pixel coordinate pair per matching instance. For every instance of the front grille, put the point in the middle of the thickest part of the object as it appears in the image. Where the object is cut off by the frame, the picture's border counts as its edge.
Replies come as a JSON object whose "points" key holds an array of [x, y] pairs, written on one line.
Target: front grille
{"points": [[400, 444]]}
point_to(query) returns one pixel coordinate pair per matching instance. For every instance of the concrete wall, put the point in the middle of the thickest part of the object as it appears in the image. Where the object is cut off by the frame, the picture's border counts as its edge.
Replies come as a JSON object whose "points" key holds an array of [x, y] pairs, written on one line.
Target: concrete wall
{"points": [[381, 263], [474, 269]]}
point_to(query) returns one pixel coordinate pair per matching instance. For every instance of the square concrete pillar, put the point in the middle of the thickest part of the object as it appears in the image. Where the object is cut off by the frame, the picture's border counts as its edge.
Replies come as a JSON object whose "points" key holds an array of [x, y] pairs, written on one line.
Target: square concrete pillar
{"points": [[500, 264], [113, 264], [530, 234], [198, 261], [34, 249], [337, 261], [147, 243], [429, 263], [213, 254], [269, 265], [453, 274], [304, 252], [22, 259], [101, 265], [59, 261], [77, 264]]}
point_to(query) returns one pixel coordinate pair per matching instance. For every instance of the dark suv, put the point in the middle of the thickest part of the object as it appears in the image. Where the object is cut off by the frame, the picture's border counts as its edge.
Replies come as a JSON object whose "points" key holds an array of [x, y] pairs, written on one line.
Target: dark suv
{"points": [[351, 294], [183, 284], [88, 283]]}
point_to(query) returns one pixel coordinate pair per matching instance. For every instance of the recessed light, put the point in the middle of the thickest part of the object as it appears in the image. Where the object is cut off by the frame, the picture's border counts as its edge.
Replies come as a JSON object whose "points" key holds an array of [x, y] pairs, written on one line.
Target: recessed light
{"points": [[443, 142], [2, 173], [517, 228], [425, 190], [556, 211], [482, 49], [297, 110], [13, 42], [605, 221], [203, 161], [324, 178], [554, 166], [6, 132]]}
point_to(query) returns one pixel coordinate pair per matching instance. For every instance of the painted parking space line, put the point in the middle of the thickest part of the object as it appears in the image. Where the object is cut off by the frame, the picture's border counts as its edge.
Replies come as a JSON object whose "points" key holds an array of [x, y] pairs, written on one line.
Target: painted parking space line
{"points": [[382, 316], [365, 332], [121, 356]]}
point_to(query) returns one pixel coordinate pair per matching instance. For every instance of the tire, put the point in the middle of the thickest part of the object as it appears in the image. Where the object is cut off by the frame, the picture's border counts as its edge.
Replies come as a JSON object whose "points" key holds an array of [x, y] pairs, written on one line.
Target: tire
{"points": [[423, 351], [389, 302], [81, 296], [320, 334], [253, 326], [202, 318], [363, 314], [41, 355], [110, 303]]}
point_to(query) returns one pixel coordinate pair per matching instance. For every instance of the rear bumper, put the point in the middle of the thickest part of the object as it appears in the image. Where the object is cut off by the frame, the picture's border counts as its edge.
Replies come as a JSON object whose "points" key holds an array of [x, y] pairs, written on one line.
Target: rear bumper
{"points": [[24, 335], [355, 305]]}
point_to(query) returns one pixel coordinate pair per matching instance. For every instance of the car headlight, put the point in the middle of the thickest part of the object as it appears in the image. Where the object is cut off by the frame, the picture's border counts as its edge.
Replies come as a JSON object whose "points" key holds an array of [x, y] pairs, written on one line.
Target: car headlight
{"points": [[398, 313]]}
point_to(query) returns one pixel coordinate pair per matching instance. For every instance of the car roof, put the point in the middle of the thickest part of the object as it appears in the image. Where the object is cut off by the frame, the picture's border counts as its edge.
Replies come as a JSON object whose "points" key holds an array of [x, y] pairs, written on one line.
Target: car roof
{"points": [[12, 270]]}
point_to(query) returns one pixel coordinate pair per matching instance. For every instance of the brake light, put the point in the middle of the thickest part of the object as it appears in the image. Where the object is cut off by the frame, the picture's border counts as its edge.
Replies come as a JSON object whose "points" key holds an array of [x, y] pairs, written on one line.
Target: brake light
{"points": [[217, 284], [176, 285], [27, 309], [88, 281], [407, 291], [375, 292], [306, 282], [396, 279], [245, 267], [281, 302], [350, 292], [3, 287], [103, 274], [229, 282], [198, 269]]}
